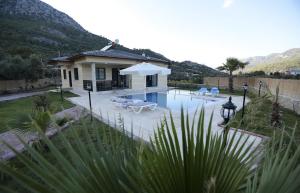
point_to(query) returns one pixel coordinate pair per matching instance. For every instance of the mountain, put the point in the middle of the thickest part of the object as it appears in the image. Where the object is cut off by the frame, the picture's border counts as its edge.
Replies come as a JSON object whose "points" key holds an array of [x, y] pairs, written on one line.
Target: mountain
{"points": [[38, 10], [34, 27], [280, 62], [37, 27], [188, 70]]}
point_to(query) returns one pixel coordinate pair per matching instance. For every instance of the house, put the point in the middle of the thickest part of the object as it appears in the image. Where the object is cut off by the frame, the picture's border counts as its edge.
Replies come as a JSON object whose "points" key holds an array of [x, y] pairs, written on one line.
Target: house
{"points": [[101, 70]]}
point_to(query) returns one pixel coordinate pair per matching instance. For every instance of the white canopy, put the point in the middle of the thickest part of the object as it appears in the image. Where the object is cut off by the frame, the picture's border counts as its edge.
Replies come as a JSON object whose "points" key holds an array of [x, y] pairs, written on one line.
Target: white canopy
{"points": [[144, 69]]}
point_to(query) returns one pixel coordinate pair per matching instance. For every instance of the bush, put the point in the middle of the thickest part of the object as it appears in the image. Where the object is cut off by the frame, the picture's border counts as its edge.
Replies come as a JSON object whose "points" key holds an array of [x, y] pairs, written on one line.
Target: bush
{"points": [[62, 121], [40, 121], [41, 102]]}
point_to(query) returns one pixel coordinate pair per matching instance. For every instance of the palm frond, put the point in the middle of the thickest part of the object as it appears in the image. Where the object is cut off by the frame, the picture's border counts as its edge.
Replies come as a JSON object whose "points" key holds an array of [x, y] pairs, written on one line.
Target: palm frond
{"points": [[280, 172], [199, 161], [89, 164]]}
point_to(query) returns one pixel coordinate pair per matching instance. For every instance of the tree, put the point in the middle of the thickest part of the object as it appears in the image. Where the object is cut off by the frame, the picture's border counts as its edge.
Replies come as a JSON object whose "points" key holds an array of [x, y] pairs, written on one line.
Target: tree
{"points": [[17, 68], [34, 69], [231, 65], [12, 68]]}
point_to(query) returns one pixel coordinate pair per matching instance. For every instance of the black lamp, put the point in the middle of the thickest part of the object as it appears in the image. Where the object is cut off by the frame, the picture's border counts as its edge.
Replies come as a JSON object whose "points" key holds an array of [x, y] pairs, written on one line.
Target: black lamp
{"points": [[89, 88], [228, 110], [61, 92], [260, 84], [245, 87]]}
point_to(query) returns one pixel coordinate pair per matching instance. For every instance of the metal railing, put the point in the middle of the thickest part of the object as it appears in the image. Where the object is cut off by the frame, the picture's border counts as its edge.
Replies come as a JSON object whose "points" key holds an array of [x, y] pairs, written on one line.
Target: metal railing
{"points": [[103, 85]]}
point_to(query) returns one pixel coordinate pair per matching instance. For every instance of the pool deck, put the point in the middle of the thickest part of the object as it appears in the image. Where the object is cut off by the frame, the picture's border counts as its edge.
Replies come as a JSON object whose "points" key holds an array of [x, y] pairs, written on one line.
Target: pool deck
{"points": [[144, 124]]}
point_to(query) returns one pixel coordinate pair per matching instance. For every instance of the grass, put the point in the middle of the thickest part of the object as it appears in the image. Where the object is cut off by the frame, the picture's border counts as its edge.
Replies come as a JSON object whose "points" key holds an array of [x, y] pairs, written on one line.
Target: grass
{"points": [[80, 125], [14, 113], [258, 114], [257, 118]]}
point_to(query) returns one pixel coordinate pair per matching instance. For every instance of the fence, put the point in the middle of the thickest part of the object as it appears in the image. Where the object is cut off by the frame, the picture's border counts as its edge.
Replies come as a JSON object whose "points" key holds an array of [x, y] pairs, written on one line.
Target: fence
{"points": [[289, 89], [184, 85], [12, 86]]}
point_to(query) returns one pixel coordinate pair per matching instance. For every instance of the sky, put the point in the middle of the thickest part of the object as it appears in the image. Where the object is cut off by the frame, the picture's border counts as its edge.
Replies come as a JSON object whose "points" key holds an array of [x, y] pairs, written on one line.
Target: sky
{"points": [[203, 31]]}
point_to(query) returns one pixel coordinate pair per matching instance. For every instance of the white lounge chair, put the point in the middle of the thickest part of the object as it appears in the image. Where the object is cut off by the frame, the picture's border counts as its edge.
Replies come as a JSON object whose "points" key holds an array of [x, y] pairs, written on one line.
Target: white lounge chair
{"points": [[123, 102], [202, 91], [138, 107], [214, 91], [119, 99]]}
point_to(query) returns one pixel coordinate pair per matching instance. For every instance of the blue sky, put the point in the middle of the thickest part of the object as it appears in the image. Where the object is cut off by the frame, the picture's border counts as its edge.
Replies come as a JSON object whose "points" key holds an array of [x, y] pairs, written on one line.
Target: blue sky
{"points": [[204, 31]]}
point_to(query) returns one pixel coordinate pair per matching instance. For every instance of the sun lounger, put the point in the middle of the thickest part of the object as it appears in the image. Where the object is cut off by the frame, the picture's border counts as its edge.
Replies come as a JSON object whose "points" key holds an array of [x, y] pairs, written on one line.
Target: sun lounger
{"points": [[119, 100], [202, 91], [123, 102], [138, 107], [214, 91]]}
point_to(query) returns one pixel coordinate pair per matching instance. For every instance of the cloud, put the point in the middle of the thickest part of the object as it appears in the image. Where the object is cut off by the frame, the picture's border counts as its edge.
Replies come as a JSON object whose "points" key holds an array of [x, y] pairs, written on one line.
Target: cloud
{"points": [[227, 3]]}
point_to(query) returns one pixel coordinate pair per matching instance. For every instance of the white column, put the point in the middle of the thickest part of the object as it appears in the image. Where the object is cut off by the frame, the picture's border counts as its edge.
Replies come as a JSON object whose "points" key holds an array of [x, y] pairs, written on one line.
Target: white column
{"points": [[94, 77]]}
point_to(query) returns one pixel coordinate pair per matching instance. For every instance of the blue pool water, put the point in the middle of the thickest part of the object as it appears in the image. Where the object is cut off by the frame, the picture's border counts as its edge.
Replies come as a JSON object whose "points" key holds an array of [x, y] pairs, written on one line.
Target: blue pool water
{"points": [[174, 99]]}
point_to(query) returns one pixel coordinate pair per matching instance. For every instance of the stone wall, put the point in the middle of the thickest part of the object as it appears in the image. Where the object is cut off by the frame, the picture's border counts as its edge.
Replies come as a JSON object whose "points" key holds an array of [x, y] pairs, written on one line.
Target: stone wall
{"points": [[289, 89], [13, 86]]}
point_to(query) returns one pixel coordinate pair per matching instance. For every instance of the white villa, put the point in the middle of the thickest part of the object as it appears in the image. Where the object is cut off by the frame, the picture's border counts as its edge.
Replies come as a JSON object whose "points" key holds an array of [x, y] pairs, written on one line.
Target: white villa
{"points": [[101, 69]]}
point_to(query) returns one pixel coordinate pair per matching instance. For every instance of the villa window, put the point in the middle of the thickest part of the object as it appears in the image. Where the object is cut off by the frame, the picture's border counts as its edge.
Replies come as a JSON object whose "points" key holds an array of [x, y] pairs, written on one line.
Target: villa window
{"points": [[151, 80], [65, 74], [76, 77], [100, 74]]}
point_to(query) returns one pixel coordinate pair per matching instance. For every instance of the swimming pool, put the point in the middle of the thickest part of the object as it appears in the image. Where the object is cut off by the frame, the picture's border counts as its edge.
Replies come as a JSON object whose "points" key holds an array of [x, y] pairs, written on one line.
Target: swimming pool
{"points": [[174, 99]]}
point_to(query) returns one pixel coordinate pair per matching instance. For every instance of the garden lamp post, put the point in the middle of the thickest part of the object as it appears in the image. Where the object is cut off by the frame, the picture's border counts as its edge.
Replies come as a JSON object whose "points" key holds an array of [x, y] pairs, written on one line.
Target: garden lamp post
{"points": [[245, 87], [260, 84], [61, 92], [228, 110], [89, 88]]}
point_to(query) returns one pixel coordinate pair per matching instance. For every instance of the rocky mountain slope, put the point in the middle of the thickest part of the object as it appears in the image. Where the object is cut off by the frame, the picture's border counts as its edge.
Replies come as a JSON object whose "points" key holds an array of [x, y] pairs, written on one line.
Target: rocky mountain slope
{"points": [[38, 10], [34, 27], [274, 62]]}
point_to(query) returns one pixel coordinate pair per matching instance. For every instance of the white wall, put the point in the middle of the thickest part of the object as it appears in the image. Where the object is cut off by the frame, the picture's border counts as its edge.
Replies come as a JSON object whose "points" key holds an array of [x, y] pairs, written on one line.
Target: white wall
{"points": [[85, 72], [162, 81], [138, 82], [75, 83]]}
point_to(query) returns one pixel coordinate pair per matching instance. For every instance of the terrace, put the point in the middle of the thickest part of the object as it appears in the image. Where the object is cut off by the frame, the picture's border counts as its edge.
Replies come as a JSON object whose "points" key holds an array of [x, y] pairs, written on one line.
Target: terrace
{"points": [[144, 124]]}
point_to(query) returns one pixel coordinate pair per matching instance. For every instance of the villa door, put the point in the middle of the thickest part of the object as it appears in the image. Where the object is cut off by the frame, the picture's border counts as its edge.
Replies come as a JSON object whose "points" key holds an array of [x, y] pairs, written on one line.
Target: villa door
{"points": [[115, 77], [119, 81], [70, 79]]}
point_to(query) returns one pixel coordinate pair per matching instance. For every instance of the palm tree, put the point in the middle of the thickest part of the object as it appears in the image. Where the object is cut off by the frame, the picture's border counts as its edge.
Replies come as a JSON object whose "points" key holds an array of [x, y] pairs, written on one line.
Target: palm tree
{"points": [[231, 65], [197, 161]]}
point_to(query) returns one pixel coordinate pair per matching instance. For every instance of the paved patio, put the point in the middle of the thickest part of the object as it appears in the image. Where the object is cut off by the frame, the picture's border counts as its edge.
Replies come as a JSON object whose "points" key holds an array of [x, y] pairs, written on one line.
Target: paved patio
{"points": [[144, 124]]}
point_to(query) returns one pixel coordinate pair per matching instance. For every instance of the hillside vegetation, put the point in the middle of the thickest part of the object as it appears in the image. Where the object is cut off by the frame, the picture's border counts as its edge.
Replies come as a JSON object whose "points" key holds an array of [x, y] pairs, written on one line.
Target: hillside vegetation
{"points": [[45, 38], [279, 62], [34, 29], [191, 71]]}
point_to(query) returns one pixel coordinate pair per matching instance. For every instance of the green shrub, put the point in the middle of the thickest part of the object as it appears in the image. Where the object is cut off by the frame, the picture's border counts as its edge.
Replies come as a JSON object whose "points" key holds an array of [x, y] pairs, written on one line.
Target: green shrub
{"points": [[41, 103], [40, 121], [62, 121]]}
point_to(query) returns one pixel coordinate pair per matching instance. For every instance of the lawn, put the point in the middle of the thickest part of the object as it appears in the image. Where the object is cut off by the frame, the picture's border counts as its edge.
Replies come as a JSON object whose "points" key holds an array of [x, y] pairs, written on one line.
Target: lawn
{"points": [[79, 126], [258, 118], [14, 113]]}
